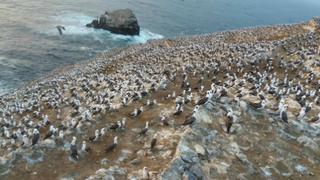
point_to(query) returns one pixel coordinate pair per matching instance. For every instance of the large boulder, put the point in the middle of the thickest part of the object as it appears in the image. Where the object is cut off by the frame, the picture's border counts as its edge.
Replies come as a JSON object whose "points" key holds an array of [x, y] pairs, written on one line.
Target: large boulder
{"points": [[121, 21]]}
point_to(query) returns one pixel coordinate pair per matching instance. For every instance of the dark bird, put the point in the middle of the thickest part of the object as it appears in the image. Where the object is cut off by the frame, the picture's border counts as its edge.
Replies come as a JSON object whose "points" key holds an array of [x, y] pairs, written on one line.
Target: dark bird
{"points": [[153, 142], [179, 110], [73, 149], [261, 96], [208, 96], [283, 114], [164, 121], [36, 136], [60, 29], [115, 126], [189, 120], [202, 101], [144, 130], [113, 145], [229, 121], [309, 107]]}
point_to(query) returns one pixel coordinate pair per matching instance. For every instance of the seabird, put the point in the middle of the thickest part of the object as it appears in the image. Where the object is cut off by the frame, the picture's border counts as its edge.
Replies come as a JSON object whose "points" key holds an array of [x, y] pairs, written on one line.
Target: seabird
{"points": [[229, 121], [145, 173], [36, 136], [189, 121], [46, 120], [123, 123], [61, 134], [84, 147], [179, 109], [96, 136], [302, 113], [137, 112], [151, 103], [164, 120], [144, 130], [102, 132], [51, 132], [60, 29], [153, 142], [283, 114], [113, 145], [196, 109], [73, 149], [208, 96], [25, 141], [115, 126]]}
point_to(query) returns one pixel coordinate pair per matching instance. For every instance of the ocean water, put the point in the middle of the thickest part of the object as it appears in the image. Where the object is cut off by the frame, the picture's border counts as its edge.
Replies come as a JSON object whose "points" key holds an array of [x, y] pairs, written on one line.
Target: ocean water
{"points": [[31, 47]]}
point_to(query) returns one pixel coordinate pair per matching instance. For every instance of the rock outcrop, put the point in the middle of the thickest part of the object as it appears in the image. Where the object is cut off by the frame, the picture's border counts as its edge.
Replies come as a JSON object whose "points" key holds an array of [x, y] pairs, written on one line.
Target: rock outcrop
{"points": [[121, 21]]}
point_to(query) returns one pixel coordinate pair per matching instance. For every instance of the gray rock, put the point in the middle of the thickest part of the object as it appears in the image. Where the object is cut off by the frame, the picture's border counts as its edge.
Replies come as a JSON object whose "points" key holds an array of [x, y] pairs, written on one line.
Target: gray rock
{"points": [[301, 169], [116, 170], [104, 161], [121, 21], [124, 155], [135, 162], [308, 142], [3, 161], [48, 143]]}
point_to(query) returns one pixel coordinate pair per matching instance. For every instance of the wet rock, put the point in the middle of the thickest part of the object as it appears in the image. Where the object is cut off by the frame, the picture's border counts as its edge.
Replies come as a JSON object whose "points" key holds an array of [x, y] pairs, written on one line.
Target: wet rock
{"points": [[135, 162], [166, 154], [107, 174], [283, 168], [101, 173], [222, 167], [48, 143], [266, 171], [301, 169], [199, 149], [3, 161], [66, 178], [195, 172], [121, 21], [141, 153], [124, 155], [117, 170], [33, 157], [308, 142]]}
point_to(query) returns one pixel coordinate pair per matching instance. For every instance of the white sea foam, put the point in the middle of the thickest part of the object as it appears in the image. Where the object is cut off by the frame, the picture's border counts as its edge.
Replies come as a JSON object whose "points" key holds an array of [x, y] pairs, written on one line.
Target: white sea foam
{"points": [[74, 24], [144, 36]]}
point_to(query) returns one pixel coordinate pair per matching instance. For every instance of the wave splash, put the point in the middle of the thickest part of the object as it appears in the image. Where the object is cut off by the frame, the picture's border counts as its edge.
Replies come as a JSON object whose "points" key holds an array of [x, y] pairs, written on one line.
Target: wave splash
{"points": [[75, 25]]}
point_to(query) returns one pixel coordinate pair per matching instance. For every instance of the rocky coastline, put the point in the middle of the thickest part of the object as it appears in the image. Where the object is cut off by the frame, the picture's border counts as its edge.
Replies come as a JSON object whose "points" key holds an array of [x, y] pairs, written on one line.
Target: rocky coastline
{"points": [[214, 104]]}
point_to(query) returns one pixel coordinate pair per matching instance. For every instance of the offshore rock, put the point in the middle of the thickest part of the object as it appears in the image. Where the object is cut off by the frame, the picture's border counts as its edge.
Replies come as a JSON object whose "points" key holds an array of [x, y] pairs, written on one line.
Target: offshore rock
{"points": [[121, 21]]}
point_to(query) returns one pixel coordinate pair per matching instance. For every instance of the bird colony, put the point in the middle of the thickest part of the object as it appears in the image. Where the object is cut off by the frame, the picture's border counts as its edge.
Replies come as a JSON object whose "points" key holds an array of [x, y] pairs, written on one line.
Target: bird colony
{"points": [[235, 104]]}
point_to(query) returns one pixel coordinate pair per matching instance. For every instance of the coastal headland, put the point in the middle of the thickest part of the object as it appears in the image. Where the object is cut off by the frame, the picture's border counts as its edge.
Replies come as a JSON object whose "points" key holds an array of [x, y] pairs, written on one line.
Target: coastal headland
{"points": [[236, 104]]}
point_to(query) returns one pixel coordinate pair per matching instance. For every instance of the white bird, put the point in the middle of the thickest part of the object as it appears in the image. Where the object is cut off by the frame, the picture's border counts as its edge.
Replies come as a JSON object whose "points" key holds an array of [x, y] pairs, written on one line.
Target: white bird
{"points": [[302, 113]]}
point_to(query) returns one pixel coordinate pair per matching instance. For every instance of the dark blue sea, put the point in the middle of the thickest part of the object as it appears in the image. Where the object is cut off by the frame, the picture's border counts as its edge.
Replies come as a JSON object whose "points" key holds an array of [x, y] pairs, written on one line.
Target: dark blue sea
{"points": [[31, 47]]}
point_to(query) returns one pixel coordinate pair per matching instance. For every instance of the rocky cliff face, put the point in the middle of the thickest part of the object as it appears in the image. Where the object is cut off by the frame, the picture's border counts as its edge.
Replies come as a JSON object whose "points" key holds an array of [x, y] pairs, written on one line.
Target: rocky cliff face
{"points": [[259, 146], [121, 21]]}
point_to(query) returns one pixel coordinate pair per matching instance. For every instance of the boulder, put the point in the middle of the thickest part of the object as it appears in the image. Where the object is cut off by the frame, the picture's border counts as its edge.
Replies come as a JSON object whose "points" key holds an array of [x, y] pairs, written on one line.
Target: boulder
{"points": [[121, 21]]}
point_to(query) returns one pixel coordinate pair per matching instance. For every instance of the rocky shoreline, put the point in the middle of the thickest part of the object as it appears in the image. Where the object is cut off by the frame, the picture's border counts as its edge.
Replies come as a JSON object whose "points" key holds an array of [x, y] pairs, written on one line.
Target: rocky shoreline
{"points": [[214, 103]]}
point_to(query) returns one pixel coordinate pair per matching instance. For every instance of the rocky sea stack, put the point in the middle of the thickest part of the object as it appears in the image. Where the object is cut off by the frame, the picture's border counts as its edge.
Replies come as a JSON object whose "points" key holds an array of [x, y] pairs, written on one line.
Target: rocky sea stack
{"points": [[122, 21]]}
